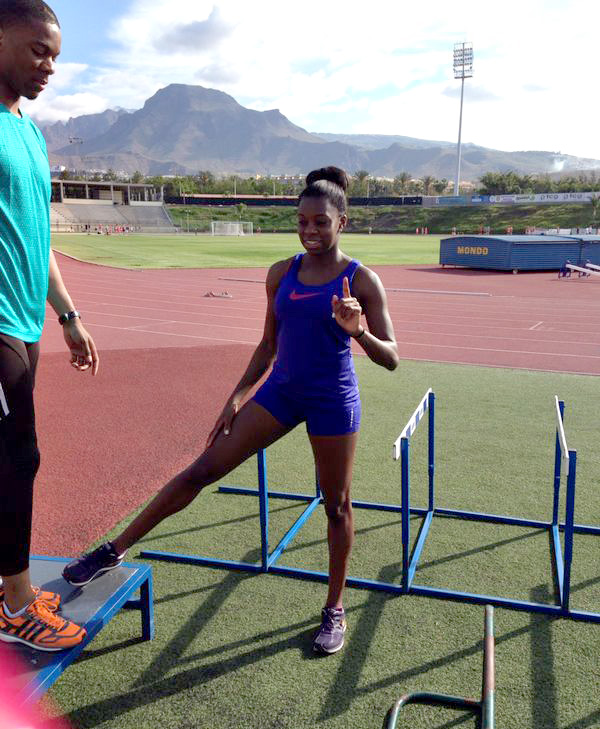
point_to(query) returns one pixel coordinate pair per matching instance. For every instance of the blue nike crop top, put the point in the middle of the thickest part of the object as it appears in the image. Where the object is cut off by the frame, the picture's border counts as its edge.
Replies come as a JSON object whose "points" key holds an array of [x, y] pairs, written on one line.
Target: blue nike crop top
{"points": [[314, 356]]}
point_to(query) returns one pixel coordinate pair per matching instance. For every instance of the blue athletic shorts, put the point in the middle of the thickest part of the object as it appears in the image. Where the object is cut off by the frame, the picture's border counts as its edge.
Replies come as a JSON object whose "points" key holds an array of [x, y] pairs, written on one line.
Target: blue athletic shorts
{"points": [[323, 417]]}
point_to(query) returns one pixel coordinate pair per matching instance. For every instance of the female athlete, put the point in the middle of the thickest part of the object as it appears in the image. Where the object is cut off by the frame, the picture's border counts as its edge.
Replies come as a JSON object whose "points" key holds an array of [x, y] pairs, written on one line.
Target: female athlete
{"points": [[315, 301]]}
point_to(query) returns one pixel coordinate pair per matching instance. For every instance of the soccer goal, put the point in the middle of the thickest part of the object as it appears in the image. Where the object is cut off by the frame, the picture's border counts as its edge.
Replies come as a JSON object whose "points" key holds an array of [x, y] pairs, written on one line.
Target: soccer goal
{"points": [[231, 227]]}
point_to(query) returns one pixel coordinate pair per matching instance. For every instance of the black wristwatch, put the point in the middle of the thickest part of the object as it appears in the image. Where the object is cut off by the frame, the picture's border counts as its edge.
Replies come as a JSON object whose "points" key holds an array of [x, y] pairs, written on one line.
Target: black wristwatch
{"points": [[64, 318]]}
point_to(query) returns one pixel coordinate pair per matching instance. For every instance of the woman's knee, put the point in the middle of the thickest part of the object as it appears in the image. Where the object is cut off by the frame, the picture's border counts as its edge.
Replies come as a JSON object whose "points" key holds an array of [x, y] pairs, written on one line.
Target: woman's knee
{"points": [[202, 472], [338, 508]]}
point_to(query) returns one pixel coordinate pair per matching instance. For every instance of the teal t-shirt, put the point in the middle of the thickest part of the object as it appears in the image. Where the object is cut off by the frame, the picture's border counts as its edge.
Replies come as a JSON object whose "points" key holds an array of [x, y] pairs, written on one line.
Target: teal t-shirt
{"points": [[25, 191]]}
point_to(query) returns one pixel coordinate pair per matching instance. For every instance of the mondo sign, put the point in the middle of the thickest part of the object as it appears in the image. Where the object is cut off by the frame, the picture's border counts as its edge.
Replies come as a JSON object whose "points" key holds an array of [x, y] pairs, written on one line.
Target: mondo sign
{"points": [[472, 250]]}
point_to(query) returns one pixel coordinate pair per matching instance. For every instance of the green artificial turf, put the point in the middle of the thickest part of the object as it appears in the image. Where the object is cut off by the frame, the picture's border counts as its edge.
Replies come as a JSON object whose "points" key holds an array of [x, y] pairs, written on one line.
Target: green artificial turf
{"points": [[233, 650], [204, 251]]}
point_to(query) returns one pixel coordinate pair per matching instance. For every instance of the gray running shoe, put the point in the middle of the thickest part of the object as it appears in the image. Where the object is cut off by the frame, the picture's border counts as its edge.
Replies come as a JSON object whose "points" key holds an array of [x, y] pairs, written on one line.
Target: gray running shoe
{"points": [[330, 636], [83, 569]]}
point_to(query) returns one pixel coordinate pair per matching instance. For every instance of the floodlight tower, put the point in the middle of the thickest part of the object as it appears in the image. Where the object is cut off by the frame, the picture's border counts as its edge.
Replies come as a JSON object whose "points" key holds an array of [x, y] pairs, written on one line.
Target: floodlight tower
{"points": [[463, 68], [79, 142]]}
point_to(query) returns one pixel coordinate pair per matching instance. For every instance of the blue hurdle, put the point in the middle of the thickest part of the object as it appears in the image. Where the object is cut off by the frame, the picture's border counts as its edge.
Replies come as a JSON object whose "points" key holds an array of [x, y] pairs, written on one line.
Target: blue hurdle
{"points": [[401, 451], [562, 561]]}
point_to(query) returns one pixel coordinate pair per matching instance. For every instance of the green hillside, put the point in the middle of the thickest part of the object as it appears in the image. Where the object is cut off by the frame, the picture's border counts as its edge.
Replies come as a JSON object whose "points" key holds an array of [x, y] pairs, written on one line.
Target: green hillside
{"points": [[399, 219]]}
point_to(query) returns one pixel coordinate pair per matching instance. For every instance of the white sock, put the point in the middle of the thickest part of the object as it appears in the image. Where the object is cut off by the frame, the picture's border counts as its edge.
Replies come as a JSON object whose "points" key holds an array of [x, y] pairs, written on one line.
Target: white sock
{"points": [[10, 614]]}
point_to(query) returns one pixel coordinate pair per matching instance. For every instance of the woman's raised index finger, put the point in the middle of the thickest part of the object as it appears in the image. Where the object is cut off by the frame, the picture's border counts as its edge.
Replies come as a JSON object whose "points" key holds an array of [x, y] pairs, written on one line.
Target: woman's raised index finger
{"points": [[346, 287]]}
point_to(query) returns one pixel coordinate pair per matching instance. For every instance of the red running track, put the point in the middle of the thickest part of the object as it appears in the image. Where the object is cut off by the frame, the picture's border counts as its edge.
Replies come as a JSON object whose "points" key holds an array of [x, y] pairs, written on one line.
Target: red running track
{"points": [[170, 357]]}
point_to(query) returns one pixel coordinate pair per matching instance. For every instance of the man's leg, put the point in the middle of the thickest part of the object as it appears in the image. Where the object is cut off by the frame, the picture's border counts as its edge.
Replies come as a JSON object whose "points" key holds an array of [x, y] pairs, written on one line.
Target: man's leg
{"points": [[26, 616], [19, 462]]}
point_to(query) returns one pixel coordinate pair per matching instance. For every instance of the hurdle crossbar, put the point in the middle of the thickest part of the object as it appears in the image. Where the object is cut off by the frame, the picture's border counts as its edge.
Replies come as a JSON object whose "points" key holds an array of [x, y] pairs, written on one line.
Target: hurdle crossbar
{"points": [[581, 270], [593, 266], [269, 560]]}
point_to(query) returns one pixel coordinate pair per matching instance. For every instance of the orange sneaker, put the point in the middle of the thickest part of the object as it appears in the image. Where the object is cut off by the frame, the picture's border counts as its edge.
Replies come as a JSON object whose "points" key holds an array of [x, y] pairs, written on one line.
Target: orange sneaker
{"points": [[52, 599], [40, 628]]}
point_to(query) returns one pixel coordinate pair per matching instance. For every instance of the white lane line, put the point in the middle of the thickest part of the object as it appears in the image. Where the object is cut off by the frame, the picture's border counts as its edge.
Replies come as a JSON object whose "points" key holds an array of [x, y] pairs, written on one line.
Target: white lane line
{"points": [[190, 322], [445, 293], [170, 334], [158, 321], [497, 366], [165, 310], [535, 326], [139, 327], [162, 303], [508, 351], [479, 337]]}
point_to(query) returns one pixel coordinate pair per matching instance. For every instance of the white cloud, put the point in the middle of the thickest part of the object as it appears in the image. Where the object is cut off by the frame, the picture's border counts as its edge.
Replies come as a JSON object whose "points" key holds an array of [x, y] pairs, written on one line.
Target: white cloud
{"points": [[195, 36], [61, 108], [383, 67], [65, 74]]}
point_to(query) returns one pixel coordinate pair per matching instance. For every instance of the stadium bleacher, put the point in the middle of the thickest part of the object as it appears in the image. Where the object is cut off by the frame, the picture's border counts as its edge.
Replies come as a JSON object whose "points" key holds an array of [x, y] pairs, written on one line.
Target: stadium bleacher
{"points": [[86, 206], [82, 217]]}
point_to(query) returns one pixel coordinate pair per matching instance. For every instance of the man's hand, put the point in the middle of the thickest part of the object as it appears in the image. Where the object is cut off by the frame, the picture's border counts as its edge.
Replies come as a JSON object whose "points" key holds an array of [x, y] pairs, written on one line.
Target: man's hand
{"points": [[84, 354]]}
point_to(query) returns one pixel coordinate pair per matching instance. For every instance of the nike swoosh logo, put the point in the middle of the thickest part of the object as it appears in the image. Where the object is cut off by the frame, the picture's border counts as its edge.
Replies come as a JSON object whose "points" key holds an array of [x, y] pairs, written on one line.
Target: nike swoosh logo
{"points": [[296, 297]]}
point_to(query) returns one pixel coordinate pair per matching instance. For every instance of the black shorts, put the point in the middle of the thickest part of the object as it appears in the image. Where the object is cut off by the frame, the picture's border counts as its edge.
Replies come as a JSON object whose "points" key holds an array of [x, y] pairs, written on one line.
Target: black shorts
{"points": [[19, 455]]}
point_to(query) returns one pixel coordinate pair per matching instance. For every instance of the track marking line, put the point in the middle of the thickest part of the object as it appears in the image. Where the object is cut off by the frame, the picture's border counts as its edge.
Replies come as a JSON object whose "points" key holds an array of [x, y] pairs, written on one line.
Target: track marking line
{"points": [[444, 293], [507, 337], [158, 321], [172, 334], [535, 326], [207, 319], [209, 324], [507, 351], [497, 366], [213, 304]]}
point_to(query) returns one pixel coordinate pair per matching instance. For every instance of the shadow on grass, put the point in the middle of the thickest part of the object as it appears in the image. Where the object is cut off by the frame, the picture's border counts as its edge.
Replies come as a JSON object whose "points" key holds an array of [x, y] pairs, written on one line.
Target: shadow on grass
{"points": [[155, 685], [544, 703], [345, 685], [543, 698], [97, 652], [226, 522], [477, 550], [171, 656]]}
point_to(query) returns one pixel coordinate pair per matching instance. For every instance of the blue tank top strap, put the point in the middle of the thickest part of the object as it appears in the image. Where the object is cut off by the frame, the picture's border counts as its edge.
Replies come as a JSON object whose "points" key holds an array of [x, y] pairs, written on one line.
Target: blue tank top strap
{"points": [[351, 269]]}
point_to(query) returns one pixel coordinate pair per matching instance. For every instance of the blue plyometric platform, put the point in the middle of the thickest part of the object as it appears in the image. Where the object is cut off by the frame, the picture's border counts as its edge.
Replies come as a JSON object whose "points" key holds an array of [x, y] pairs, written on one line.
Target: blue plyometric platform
{"points": [[519, 252], [93, 607]]}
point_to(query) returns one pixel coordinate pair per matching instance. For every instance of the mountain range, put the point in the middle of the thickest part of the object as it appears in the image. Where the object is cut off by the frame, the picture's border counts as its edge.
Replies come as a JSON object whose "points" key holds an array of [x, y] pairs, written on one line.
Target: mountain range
{"points": [[182, 129]]}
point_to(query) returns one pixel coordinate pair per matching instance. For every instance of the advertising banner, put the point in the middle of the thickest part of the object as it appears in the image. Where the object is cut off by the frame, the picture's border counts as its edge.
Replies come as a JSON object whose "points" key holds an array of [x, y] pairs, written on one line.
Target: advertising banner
{"points": [[452, 200]]}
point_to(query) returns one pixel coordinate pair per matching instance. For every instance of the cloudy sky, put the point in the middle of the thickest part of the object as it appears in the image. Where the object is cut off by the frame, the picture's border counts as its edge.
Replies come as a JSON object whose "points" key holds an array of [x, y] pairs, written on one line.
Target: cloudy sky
{"points": [[382, 67]]}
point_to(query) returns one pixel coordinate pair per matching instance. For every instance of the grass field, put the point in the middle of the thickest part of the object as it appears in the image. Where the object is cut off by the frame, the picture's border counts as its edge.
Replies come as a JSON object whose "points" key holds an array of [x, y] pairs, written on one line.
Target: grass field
{"points": [[233, 651], [204, 251]]}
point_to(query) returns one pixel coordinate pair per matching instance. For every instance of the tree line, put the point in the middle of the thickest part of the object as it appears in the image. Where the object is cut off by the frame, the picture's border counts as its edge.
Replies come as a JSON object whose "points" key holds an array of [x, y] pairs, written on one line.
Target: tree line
{"points": [[362, 183], [510, 183]]}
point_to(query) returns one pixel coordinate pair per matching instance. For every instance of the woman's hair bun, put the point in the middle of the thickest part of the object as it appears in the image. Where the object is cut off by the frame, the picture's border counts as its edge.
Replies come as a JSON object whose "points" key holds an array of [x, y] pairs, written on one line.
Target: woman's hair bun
{"points": [[331, 174]]}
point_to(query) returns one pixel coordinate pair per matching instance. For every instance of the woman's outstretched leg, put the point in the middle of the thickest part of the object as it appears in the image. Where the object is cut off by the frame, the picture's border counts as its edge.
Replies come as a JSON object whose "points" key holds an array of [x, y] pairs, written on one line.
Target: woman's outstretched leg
{"points": [[253, 428]]}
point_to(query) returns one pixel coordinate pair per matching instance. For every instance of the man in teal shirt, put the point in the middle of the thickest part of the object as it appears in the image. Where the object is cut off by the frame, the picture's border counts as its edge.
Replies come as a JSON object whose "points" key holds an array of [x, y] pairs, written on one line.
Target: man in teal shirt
{"points": [[30, 41]]}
